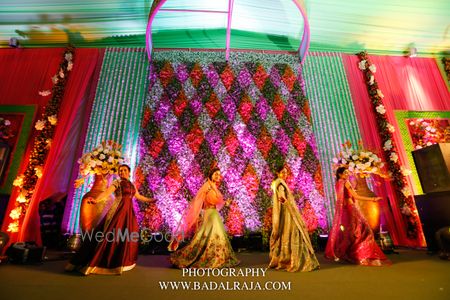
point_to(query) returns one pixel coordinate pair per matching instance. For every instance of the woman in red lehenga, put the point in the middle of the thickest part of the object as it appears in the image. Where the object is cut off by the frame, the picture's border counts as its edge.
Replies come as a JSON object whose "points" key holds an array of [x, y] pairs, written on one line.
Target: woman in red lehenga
{"points": [[117, 251], [350, 237]]}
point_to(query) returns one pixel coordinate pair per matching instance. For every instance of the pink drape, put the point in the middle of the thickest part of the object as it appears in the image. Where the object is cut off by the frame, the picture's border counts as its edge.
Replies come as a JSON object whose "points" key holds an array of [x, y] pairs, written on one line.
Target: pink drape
{"points": [[407, 84], [28, 72]]}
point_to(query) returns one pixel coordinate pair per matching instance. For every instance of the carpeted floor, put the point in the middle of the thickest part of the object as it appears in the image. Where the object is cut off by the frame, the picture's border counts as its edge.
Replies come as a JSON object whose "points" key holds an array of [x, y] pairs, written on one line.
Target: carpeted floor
{"points": [[413, 275]]}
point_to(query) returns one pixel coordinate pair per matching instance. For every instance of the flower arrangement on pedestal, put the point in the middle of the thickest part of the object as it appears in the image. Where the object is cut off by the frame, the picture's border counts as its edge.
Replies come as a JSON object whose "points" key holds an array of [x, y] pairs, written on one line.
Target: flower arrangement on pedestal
{"points": [[359, 161], [104, 159]]}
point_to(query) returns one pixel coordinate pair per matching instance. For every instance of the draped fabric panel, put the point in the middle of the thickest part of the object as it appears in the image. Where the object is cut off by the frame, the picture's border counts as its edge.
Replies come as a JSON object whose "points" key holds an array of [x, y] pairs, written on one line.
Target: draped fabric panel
{"points": [[407, 84], [24, 73]]}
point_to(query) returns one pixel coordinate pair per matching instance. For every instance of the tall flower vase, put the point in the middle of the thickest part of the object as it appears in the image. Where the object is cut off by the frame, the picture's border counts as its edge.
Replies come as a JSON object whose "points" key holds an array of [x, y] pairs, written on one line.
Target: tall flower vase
{"points": [[369, 209], [91, 213]]}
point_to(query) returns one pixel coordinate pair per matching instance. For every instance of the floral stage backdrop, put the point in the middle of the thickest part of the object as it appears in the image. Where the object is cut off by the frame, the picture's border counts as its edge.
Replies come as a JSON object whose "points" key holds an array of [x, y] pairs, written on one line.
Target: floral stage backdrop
{"points": [[249, 116]]}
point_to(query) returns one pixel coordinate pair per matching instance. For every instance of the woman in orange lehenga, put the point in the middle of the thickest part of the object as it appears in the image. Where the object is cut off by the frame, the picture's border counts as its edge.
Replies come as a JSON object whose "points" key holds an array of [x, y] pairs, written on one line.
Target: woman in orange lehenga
{"points": [[209, 247], [290, 245]]}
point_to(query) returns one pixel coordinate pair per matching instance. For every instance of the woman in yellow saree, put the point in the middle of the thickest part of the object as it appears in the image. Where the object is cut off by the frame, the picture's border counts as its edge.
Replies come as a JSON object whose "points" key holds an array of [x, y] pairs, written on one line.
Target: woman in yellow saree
{"points": [[290, 245]]}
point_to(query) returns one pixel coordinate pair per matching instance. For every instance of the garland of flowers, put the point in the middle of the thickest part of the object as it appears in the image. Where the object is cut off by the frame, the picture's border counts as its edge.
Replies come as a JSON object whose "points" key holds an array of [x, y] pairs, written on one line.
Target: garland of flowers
{"points": [[446, 62], [45, 126], [396, 171]]}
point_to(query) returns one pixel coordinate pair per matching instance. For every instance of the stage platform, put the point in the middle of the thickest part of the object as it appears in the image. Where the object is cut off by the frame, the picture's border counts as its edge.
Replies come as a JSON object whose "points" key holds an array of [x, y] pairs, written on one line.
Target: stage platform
{"points": [[413, 275]]}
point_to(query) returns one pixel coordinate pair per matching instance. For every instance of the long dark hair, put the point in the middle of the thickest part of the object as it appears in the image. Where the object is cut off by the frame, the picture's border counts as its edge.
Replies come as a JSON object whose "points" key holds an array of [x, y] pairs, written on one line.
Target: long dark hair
{"points": [[212, 171], [340, 171]]}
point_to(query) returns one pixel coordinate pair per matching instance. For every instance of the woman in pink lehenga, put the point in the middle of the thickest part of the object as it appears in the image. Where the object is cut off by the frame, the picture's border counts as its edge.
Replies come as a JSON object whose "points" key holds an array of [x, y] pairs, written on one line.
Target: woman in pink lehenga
{"points": [[350, 237]]}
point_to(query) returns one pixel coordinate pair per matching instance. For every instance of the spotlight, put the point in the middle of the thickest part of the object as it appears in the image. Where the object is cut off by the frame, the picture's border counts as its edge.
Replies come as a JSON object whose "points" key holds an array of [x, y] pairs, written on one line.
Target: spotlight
{"points": [[14, 42]]}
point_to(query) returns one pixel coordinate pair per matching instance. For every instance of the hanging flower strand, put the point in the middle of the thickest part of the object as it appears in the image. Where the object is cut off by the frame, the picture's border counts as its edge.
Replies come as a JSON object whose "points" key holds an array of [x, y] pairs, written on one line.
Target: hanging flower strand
{"points": [[386, 130], [45, 127]]}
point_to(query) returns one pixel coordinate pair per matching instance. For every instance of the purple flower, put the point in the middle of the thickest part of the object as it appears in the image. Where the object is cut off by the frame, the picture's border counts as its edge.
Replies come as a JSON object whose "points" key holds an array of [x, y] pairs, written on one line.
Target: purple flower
{"points": [[282, 141], [244, 78], [293, 109], [275, 77], [212, 75], [182, 73], [229, 108], [262, 108]]}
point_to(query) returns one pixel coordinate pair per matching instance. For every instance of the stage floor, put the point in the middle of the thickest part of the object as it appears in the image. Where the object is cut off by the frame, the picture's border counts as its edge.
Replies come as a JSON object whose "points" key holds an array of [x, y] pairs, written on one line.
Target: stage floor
{"points": [[413, 275]]}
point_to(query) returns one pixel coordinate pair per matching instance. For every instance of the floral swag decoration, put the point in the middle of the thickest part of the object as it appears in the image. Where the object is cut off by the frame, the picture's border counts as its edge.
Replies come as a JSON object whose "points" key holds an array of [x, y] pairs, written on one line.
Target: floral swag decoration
{"points": [[396, 171], [45, 127], [5, 129]]}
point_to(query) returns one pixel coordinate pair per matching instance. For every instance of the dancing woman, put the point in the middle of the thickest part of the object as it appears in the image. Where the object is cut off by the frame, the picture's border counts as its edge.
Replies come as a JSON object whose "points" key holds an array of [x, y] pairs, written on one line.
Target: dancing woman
{"points": [[290, 245], [209, 247], [112, 256], [351, 238]]}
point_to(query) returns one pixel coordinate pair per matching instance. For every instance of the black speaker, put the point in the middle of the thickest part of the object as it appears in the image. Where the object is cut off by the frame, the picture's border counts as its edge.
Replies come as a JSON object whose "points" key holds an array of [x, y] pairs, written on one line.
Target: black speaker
{"points": [[434, 213], [433, 166], [26, 253]]}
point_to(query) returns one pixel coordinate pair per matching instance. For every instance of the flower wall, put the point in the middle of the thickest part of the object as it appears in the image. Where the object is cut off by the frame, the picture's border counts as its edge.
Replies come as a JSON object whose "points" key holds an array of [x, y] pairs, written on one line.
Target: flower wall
{"points": [[249, 115]]}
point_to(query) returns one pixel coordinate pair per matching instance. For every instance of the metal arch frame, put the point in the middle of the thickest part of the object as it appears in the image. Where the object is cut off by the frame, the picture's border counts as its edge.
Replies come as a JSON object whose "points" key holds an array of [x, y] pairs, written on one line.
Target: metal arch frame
{"points": [[302, 50]]}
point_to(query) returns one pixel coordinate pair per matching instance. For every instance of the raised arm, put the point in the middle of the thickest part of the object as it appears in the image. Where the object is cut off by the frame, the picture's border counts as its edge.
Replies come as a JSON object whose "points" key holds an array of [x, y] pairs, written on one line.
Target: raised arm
{"points": [[355, 195], [143, 198]]}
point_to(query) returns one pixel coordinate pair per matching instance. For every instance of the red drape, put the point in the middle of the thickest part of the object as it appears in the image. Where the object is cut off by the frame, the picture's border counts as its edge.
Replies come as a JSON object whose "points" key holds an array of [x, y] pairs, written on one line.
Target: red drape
{"points": [[407, 84], [24, 73]]}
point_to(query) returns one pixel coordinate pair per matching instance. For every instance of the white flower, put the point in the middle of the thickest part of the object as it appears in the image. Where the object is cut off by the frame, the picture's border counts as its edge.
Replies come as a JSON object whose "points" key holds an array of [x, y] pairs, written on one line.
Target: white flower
{"points": [[69, 66], [40, 124], [45, 93], [7, 123], [55, 79], [102, 156], [428, 128], [373, 68], [433, 130], [18, 181], [362, 65], [429, 143], [93, 163], [380, 109], [387, 145], [372, 80], [351, 165], [390, 128], [355, 157], [344, 161], [52, 119], [405, 171], [418, 147], [406, 210], [13, 227], [68, 56], [393, 157], [406, 191], [15, 213], [38, 171], [95, 153], [351, 169], [21, 198], [411, 123], [61, 73], [106, 151], [110, 159], [360, 166], [335, 160]]}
